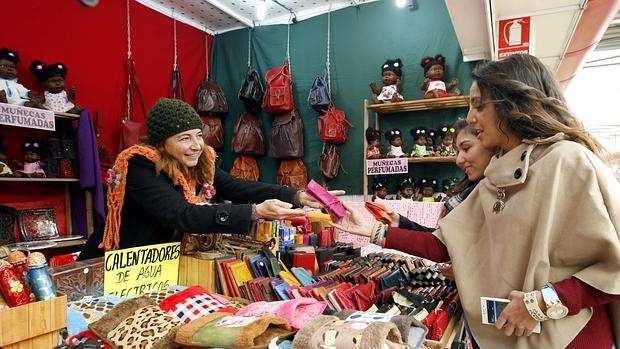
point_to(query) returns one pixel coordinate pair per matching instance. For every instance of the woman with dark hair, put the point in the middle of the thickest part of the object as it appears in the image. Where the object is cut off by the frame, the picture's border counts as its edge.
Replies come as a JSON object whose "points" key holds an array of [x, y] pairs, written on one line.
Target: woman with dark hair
{"points": [[168, 186], [541, 228]]}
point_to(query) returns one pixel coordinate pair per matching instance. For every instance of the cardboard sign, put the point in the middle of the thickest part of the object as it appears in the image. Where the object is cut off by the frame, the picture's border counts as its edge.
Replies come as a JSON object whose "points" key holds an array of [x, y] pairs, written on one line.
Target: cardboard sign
{"points": [[17, 115], [513, 36], [141, 269], [387, 166]]}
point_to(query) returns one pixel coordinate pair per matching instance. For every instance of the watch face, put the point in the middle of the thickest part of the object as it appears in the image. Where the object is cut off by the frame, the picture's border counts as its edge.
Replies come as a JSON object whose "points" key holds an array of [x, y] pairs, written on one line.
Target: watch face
{"points": [[557, 311]]}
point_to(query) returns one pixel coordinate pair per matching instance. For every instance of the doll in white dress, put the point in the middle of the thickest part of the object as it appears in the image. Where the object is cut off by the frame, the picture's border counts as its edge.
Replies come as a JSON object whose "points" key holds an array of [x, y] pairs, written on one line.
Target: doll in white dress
{"points": [[391, 72], [55, 98], [11, 91]]}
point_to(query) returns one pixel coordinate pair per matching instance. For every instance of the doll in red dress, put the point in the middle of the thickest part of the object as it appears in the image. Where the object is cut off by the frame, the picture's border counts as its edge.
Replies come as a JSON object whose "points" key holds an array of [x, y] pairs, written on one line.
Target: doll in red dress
{"points": [[373, 137], [434, 85]]}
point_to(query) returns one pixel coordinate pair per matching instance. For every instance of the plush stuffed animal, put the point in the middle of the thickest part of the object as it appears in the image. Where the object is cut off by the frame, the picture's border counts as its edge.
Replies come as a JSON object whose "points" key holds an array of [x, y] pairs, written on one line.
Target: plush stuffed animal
{"points": [[395, 150], [373, 137], [11, 91], [391, 72], [32, 166], [419, 148], [55, 98], [446, 148], [434, 85]]}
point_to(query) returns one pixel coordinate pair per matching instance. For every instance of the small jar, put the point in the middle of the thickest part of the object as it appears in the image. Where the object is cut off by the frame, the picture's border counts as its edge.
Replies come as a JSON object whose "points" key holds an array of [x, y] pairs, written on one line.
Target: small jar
{"points": [[19, 262], [39, 277], [12, 286]]}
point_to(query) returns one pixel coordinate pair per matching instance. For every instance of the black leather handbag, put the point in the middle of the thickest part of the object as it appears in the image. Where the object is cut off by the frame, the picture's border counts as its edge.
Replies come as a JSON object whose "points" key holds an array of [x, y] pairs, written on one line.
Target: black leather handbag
{"points": [[251, 91]]}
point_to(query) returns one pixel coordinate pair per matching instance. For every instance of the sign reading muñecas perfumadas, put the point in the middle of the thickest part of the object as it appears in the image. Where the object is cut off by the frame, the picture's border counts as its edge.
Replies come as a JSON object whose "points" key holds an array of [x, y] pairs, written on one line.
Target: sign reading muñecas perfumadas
{"points": [[17, 115], [387, 166]]}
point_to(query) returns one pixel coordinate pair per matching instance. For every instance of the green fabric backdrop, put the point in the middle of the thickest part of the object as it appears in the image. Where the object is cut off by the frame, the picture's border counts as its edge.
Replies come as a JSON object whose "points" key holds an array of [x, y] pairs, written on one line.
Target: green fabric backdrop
{"points": [[362, 38]]}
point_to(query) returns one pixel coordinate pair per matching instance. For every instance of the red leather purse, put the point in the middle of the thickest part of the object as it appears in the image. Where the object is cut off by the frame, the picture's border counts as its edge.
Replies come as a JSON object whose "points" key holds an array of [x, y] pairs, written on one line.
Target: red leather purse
{"points": [[378, 211], [131, 131], [278, 96], [334, 126]]}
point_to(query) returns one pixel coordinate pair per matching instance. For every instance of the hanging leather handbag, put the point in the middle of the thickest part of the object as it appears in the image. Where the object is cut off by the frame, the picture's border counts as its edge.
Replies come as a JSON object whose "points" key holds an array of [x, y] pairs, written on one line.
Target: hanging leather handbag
{"points": [[210, 99], [334, 126], [293, 173], [213, 132], [279, 93], [251, 91], [329, 162], [286, 140], [318, 98], [132, 132], [248, 135], [245, 167]]}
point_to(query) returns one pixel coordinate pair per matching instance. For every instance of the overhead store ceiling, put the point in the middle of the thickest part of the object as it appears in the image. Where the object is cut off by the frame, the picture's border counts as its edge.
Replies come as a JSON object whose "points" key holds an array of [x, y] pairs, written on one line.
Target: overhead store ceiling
{"points": [[611, 38]]}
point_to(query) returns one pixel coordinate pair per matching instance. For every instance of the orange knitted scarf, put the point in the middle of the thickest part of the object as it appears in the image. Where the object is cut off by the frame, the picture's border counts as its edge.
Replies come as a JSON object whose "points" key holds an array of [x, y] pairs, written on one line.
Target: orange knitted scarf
{"points": [[116, 189]]}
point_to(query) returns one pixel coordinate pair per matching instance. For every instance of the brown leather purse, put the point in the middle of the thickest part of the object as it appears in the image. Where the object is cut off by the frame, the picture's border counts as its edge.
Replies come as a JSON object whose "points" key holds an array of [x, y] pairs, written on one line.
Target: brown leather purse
{"points": [[245, 167], [210, 99], [248, 136], [213, 132], [329, 162], [286, 140], [293, 173]]}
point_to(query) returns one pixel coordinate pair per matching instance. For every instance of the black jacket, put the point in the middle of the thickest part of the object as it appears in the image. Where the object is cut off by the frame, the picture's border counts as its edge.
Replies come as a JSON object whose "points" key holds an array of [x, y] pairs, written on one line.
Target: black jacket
{"points": [[155, 211]]}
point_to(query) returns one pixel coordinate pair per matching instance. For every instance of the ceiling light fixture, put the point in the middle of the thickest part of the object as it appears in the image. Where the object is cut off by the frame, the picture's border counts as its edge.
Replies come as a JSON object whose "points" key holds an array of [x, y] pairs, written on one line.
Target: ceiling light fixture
{"points": [[261, 10], [401, 3]]}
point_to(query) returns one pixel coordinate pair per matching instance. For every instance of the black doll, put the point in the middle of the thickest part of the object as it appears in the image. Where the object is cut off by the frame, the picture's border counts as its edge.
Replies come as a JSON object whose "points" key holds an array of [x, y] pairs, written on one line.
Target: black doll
{"points": [[379, 188], [406, 190], [395, 150], [32, 160], [373, 137], [10, 90], [419, 139], [392, 89], [434, 85], [430, 142], [447, 134], [55, 98], [427, 188]]}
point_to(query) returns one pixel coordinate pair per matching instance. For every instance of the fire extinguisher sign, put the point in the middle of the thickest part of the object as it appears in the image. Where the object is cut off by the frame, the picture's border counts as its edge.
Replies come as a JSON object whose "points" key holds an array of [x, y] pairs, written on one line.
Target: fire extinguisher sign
{"points": [[513, 36]]}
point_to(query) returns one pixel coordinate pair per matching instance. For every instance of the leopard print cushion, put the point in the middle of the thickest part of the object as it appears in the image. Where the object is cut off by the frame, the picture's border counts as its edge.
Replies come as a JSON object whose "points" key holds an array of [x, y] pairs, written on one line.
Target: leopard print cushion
{"points": [[143, 329]]}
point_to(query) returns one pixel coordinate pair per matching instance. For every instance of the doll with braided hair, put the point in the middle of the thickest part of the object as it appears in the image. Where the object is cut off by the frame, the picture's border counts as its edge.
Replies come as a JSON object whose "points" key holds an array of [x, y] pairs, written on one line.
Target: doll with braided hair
{"points": [[434, 85]]}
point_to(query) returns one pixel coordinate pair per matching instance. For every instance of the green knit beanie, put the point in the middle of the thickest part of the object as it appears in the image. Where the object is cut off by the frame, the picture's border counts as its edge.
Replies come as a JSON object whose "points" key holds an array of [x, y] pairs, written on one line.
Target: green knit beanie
{"points": [[169, 117]]}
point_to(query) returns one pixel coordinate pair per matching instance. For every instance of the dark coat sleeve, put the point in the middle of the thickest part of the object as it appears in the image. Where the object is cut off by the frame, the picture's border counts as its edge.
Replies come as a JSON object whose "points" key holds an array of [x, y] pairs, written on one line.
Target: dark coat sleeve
{"points": [[251, 192], [166, 204], [406, 223]]}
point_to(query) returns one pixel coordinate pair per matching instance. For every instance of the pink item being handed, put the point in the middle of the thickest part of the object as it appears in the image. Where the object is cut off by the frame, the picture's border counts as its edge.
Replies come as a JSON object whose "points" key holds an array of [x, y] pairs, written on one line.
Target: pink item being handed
{"points": [[297, 312], [331, 203]]}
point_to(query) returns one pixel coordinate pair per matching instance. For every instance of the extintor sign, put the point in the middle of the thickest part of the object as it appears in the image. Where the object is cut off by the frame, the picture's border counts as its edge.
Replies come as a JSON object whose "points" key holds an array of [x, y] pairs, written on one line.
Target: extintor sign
{"points": [[513, 36]]}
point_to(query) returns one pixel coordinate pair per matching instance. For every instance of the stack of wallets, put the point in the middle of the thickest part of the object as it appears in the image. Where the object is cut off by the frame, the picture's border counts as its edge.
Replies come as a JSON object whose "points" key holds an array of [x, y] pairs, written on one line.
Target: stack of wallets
{"points": [[79, 279]]}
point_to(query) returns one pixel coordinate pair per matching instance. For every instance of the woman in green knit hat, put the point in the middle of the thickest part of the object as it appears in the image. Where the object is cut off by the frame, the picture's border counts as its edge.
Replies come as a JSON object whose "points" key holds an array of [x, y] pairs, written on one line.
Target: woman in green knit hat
{"points": [[161, 189]]}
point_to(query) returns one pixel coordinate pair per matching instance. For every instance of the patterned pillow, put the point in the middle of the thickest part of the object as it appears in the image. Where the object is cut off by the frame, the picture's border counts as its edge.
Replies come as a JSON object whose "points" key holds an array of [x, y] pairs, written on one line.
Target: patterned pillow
{"points": [[145, 328], [190, 304]]}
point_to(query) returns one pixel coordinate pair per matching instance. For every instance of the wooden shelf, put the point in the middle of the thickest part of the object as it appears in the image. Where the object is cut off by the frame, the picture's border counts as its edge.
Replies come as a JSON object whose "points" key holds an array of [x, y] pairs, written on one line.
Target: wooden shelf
{"points": [[69, 243], [420, 104], [432, 159], [58, 180], [66, 116]]}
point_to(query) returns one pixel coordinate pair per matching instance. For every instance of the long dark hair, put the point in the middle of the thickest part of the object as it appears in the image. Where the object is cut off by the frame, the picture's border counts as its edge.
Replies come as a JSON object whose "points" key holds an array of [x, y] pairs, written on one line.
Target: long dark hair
{"points": [[529, 100], [460, 125]]}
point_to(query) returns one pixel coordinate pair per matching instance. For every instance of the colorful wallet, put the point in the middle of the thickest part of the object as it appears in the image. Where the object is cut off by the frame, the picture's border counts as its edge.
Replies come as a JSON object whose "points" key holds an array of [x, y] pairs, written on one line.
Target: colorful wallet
{"points": [[378, 211], [331, 203]]}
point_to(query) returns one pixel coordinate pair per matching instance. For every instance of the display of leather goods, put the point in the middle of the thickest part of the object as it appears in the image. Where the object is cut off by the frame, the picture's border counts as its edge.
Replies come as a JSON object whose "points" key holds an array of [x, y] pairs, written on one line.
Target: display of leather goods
{"points": [[329, 202], [132, 132], [379, 211], [279, 93], [247, 135], [210, 99], [245, 167], [213, 132], [68, 149], [292, 173], [329, 162], [54, 148], [251, 91], [334, 126], [37, 224], [8, 217], [318, 98], [65, 169], [286, 138]]}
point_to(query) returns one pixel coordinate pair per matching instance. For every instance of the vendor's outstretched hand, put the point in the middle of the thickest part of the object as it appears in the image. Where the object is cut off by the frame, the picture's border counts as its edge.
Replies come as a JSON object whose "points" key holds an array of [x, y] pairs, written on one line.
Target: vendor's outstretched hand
{"points": [[307, 200], [354, 223], [276, 209]]}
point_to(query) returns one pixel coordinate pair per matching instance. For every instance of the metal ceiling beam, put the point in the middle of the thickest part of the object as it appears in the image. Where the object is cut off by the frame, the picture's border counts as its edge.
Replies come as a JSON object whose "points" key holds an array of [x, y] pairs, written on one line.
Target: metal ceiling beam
{"points": [[248, 22]]}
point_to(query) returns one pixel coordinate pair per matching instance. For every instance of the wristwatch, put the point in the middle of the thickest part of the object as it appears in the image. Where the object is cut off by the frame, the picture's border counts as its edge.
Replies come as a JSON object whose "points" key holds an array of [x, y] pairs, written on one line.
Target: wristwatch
{"points": [[555, 309]]}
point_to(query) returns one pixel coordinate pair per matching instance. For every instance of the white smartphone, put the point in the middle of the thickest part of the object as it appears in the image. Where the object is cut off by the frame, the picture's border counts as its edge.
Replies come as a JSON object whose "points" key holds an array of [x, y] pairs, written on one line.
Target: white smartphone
{"points": [[492, 307]]}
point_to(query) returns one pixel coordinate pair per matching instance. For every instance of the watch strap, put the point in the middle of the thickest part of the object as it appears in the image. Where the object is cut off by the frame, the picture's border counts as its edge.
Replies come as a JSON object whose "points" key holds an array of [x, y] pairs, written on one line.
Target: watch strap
{"points": [[531, 303]]}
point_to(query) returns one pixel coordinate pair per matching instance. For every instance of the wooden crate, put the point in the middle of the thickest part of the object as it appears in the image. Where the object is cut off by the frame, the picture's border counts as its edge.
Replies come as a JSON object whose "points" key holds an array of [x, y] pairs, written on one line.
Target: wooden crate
{"points": [[33, 325], [194, 271]]}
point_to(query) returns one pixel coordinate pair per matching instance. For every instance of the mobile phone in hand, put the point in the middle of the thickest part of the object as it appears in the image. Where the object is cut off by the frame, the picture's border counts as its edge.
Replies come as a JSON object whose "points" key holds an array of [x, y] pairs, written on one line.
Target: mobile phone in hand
{"points": [[492, 307]]}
